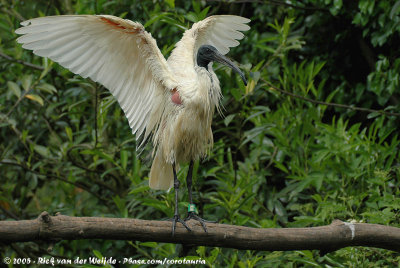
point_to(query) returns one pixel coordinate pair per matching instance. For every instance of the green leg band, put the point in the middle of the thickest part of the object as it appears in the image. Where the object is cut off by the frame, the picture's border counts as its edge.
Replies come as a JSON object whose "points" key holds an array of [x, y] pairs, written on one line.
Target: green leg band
{"points": [[192, 208]]}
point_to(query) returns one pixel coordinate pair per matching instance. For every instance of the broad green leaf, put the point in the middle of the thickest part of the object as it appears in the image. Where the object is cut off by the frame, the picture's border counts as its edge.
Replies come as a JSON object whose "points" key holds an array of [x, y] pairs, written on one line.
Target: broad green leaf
{"points": [[395, 9], [27, 82], [14, 87], [196, 6], [171, 3], [97, 254], [68, 130], [228, 119], [48, 88], [139, 189], [42, 150], [192, 17], [203, 13], [250, 86], [124, 159], [36, 98]]}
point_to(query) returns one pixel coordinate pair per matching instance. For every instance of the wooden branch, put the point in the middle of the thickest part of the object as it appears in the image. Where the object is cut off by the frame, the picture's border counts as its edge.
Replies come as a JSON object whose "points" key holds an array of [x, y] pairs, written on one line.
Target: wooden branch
{"points": [[325, 238], [31, 65]]}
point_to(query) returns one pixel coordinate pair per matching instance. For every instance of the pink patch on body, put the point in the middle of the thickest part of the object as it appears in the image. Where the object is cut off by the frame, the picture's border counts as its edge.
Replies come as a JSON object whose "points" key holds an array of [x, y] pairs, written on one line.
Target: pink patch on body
{"points": [[175, 97]]}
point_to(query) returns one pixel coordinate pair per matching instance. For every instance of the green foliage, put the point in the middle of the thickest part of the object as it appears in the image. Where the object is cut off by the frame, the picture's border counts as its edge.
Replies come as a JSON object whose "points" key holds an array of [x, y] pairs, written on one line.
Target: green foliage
{"points": [[278, 161]]}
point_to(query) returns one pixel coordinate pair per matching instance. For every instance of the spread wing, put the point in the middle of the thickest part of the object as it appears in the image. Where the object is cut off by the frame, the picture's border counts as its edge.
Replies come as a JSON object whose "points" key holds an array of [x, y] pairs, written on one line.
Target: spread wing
{"points": [[220, 31], [117, 53]]}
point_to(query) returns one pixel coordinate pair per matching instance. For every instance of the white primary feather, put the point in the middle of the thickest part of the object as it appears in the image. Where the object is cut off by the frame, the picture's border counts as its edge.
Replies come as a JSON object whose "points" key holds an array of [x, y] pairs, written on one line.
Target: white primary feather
{"points": [[117, 53]]}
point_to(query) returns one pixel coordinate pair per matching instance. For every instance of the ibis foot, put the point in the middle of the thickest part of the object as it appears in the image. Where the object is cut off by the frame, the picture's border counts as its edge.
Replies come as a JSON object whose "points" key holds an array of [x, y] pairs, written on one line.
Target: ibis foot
{"points": [[176, 219], [193, 215]]}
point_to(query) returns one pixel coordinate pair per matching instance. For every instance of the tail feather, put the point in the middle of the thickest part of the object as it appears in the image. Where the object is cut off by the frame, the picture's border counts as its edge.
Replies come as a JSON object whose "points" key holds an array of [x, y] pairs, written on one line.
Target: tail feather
{"points": [[161, 174]]}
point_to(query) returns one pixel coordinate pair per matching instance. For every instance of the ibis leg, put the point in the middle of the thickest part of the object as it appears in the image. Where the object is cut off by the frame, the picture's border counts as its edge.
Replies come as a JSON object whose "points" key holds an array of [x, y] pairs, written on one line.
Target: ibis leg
{"points": [[191, 211], [176, 217], [189, 181]]}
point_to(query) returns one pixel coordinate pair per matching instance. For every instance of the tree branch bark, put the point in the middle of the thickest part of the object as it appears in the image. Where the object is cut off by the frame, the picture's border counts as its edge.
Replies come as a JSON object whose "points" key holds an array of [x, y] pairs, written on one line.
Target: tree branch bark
{"points": [[31, 65], [325, 238]]}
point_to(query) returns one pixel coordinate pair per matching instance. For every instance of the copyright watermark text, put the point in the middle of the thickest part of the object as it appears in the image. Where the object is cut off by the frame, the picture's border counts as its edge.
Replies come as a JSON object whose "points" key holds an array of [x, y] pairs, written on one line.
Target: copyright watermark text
{"points": [[98, 261]]}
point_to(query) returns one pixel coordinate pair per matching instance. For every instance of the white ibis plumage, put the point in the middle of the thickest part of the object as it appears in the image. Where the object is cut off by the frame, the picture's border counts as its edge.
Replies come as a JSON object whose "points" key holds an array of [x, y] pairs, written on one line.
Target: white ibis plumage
{"points": [[171, 102]]}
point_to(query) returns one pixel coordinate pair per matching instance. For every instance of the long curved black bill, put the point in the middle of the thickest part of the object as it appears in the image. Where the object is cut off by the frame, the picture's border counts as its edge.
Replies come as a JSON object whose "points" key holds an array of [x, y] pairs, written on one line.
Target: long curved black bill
{"points": [[218, 57]]}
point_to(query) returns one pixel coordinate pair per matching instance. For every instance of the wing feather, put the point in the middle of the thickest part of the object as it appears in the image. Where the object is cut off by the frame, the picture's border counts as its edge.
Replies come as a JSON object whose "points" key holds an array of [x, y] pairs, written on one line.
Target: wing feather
{"points": [[220, 31], [207, 31], [117, 53]]}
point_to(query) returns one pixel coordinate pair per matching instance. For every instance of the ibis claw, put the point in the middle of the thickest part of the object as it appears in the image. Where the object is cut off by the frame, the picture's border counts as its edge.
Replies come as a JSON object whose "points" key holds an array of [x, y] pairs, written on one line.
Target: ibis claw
{"points": [[193, 215], [176, 219]]}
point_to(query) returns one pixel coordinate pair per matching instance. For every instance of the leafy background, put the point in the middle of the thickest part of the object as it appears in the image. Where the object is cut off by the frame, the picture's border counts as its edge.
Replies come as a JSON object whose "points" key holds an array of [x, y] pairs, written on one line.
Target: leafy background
{"points": [[278, 161]]}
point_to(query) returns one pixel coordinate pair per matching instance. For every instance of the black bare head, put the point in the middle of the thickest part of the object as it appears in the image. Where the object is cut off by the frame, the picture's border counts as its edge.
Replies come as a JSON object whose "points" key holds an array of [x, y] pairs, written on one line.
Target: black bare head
{"points": [[207, 54]]}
